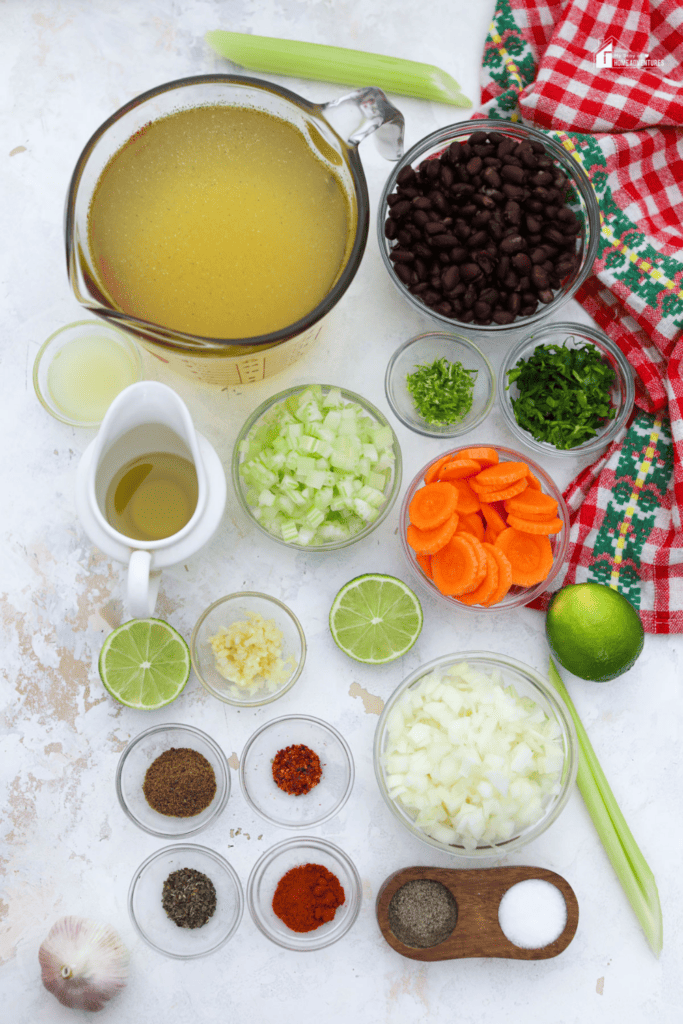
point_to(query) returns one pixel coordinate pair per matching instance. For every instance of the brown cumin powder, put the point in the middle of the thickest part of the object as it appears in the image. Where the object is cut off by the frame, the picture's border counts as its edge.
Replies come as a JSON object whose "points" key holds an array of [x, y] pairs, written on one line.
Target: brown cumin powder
{"points": [[179, 783]]}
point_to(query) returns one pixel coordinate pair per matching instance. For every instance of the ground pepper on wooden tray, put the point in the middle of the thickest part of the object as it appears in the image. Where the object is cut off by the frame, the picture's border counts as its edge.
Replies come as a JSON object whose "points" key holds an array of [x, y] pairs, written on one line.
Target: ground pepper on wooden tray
{"points": [[422, 913], [179, 783], [189, 898], [307, 896], [297, 769]]}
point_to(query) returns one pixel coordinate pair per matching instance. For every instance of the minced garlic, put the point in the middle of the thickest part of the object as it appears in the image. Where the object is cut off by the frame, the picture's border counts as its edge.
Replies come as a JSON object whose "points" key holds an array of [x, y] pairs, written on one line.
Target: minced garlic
{"points": [[247, 653]]}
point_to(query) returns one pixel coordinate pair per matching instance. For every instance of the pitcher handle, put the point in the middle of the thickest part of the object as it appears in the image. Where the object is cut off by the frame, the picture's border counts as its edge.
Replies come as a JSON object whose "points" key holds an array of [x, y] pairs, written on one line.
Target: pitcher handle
{"points": [[143, 585], [377, 115]]}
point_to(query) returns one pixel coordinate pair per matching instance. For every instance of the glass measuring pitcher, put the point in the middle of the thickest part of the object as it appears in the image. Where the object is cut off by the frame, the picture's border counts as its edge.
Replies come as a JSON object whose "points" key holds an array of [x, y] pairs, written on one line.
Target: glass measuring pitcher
{"points": [[332, 132]]}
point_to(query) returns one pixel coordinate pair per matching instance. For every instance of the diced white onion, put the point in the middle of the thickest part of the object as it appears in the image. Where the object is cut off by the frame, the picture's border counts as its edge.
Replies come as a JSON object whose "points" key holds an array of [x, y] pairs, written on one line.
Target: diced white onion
{"points": [[471, 761]]}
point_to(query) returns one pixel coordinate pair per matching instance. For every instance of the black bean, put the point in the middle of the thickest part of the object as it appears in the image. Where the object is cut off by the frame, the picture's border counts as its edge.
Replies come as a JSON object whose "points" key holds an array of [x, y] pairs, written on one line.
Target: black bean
{"points": [[511, 244], [401, 256], [470, 271], [521, 262], [450, 278], [502, 317], [459, 254]]}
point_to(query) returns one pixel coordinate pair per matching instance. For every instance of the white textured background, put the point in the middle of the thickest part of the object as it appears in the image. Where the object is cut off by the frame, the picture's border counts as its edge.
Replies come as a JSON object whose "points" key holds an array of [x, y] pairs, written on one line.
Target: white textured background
{"points": [[65, 846]]}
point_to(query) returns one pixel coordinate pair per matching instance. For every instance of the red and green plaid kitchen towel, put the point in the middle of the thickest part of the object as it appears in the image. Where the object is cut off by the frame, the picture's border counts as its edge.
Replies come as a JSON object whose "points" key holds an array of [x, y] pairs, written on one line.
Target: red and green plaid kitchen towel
{"points": [[606, 79]]}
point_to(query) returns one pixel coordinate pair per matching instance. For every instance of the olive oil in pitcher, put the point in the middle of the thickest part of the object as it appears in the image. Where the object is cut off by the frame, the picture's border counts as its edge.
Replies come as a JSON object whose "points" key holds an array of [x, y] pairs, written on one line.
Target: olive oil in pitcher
{"points": [[152, 497]]}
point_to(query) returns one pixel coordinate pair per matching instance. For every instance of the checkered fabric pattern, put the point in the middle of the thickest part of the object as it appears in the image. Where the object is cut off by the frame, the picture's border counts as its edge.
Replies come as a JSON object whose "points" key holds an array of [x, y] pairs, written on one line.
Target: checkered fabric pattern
{"points": [[606, 79]]}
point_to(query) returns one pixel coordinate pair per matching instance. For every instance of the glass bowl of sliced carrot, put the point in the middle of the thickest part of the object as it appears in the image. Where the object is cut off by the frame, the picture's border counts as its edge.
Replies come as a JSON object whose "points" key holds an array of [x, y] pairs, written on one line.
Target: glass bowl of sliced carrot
{"points": [[484, 528]]}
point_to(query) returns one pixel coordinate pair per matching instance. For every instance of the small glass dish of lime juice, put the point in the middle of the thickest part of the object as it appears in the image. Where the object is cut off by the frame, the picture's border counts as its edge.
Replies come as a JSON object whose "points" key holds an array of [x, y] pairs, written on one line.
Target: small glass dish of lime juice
{"points": [[80, 370]]}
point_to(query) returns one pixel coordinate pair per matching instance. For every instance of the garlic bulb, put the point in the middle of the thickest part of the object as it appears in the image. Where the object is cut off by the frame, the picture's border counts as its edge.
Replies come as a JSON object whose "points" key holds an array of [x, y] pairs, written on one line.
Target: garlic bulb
{"points": [[83, 963]]}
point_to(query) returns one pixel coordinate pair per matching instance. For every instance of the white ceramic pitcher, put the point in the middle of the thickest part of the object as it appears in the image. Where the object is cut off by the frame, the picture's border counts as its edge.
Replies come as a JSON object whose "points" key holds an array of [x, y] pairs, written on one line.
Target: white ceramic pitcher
{"points": [[144, 418]]}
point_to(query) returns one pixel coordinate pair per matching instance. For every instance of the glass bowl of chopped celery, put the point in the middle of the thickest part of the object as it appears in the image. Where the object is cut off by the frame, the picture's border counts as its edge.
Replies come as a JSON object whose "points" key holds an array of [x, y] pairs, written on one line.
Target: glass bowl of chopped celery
{"points": [[317, 467], [566, 390], [440, 385], [248, 649], [475, 754]]}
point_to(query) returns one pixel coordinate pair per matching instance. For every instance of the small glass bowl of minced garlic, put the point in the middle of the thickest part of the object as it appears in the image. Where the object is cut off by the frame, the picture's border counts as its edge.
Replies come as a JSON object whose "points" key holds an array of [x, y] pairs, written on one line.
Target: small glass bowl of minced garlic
{"points": [[248, 649]]}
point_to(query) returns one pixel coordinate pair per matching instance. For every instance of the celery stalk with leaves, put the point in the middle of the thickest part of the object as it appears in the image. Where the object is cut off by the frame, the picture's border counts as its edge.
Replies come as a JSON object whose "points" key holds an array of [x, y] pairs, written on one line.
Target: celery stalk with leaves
{"points": [[337, 64], [627, 860]]}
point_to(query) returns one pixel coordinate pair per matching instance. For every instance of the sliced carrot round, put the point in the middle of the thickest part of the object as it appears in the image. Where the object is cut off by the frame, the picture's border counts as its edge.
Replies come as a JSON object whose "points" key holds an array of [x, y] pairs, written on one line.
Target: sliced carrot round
{"points": [[467, 499], [425, 563], [530, 555], [432, 505], [532, 503], [504, 575], [533, 481], [432, 472], [492, 517], [488, 495], [459, 468], [428, 542], [501, 476], [472, 523], [547, 526], [485, 456], [455, 567], [488, 585], [479, 554]]}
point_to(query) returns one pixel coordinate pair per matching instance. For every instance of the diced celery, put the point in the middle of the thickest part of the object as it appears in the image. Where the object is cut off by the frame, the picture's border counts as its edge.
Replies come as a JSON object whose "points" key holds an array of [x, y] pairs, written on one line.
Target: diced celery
{"points": [[266, 498], [289, 531], [333, 398]]}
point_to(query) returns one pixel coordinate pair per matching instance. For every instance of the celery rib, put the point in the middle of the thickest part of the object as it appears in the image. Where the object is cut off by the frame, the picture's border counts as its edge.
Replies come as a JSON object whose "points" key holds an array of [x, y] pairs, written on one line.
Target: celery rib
{"points": [[337, 64], [631, 868]]}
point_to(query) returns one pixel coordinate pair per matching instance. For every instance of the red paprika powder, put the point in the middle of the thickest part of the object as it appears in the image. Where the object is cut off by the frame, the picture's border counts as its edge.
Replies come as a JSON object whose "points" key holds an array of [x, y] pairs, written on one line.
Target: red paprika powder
{"points": [[307, 896]]}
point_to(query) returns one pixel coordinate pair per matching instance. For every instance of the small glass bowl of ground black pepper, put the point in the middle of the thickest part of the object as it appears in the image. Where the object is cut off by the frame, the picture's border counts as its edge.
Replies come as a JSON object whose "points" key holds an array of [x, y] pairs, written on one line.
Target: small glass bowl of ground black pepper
{"points": [[173, 780], [440, 385], [296, 771], [488, 227], [185, 901], [572, 393], [304, 893]]}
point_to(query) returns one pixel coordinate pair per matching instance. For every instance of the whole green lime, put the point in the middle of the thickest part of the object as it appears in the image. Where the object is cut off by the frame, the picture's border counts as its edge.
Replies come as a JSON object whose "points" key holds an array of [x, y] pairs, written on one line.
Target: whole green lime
{"points": [[594, 631]]}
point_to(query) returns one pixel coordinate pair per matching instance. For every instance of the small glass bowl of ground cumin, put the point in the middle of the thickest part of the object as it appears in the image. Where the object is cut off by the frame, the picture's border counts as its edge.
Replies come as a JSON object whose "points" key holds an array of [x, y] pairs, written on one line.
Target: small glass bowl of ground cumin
{"points": [[173, 780], [167, 877], [271, 869], [296, 771]]}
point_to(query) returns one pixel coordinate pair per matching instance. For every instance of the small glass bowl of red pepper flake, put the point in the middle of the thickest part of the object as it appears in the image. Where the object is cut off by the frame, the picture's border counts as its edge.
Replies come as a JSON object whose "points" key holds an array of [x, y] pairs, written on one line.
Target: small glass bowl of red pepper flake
{"points": [[296, 771], [292, 882]]}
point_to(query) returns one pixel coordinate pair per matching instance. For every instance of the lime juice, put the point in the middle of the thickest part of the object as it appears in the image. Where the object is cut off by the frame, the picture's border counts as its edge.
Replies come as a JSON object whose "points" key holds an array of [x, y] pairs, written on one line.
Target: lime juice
{"points": [[87, 373]]}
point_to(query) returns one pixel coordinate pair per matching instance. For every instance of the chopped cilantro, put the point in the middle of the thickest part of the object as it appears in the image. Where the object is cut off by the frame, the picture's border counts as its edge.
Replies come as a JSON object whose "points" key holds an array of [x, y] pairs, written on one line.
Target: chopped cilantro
{"points": [[564, 394], [441, 391]]}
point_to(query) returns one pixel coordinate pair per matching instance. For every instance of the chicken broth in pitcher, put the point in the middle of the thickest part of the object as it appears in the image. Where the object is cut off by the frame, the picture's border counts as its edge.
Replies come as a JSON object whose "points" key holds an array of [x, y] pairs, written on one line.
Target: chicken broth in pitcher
{"points": [[220, 222]]}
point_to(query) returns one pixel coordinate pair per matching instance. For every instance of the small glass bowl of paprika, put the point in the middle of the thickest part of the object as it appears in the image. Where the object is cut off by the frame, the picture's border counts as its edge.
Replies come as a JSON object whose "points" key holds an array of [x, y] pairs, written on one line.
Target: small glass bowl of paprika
{"points": [[304, 893], [296, 771]]}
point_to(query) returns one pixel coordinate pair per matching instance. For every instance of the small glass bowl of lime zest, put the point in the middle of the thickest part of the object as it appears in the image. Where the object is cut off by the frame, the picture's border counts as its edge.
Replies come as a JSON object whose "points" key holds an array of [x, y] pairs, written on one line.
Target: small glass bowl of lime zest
{"points": [[439, 384]]}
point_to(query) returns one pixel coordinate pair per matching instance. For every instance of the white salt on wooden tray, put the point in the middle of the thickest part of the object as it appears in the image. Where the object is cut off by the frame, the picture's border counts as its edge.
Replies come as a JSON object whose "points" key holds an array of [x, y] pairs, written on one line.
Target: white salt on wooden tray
{"points": [[532, 914]]}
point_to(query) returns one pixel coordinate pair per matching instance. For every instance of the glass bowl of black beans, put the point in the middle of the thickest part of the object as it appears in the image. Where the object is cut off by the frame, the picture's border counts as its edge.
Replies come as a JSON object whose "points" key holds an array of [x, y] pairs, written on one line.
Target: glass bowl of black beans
{"points": [[488, 226]]}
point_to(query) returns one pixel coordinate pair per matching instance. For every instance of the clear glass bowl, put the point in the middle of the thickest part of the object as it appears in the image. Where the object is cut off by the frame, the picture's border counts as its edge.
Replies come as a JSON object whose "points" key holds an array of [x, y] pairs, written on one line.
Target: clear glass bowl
{"points": [[284, 809], [528, 683], [426, 348], [576, 336], [516, 596], [130, 369], [264, 410], [150, 919], [136, 759], [280, 859], [582, 200], [236, 608]]}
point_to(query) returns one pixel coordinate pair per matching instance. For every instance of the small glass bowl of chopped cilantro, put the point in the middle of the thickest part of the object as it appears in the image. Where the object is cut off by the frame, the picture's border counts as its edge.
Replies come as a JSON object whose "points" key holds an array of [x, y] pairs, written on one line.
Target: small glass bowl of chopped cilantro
{"points": [[566, 390], [440, 385]]}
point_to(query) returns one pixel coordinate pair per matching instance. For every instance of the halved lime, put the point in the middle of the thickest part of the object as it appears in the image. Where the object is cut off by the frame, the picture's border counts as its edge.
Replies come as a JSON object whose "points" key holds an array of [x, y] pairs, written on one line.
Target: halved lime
{"points": [[375, 618], [145, 664]]}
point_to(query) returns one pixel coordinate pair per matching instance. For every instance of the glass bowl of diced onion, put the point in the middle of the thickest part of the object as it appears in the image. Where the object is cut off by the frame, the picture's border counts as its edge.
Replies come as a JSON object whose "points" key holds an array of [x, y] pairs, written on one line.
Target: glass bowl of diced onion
{"points": [[248, 649], [475, 754], [317, 467]]}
